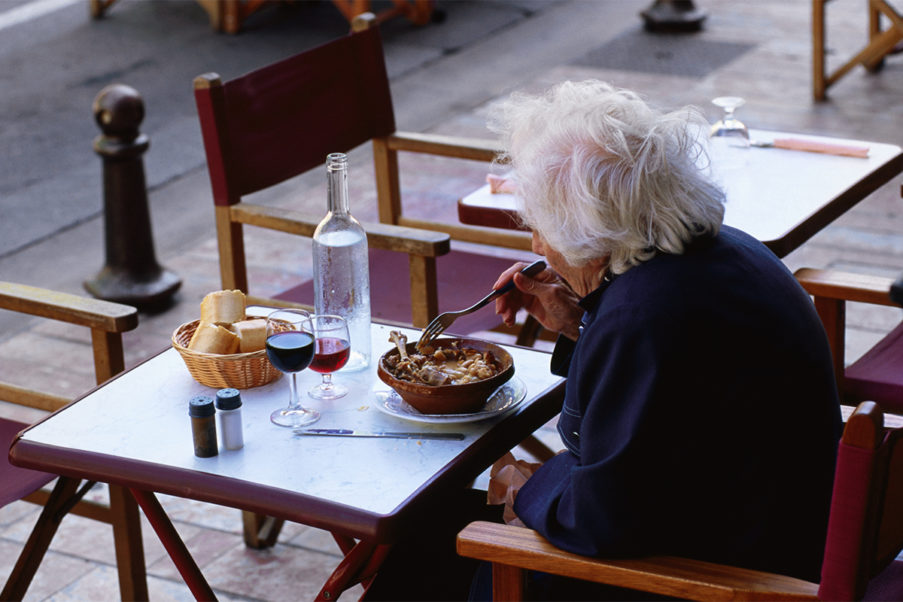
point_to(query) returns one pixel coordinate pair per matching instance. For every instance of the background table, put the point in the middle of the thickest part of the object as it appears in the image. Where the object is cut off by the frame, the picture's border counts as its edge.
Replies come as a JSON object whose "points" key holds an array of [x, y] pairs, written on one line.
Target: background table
{"points": [[781, 197], [135, 431]]}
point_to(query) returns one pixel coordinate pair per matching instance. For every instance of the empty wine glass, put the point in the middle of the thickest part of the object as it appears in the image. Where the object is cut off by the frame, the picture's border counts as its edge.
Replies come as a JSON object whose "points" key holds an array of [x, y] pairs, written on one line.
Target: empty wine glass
{"points": [[331, 352], [729, 126], [290, 347]]}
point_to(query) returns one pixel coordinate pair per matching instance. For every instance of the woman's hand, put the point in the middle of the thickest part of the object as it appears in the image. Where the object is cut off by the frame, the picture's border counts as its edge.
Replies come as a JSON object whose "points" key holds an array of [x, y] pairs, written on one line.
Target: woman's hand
{"points": [[506, 477], [545, 296]]}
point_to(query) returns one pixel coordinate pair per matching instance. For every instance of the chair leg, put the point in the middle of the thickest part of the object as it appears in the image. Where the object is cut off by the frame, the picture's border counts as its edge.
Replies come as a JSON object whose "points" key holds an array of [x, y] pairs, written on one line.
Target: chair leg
{"points": [[39, 540], [507, 582], [260, 531], [126, 521], [818, 49]]}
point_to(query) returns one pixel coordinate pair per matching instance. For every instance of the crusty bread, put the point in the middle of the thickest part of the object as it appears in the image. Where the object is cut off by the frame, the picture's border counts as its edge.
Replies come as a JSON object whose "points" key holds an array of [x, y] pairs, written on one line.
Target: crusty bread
{"points": [[213, 338], [252, 334], [223, 307]]}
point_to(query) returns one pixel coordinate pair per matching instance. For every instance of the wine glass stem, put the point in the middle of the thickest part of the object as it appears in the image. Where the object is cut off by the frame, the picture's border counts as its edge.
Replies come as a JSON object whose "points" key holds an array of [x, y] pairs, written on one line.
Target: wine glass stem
{"points": [[293, 402], [327, 381]]}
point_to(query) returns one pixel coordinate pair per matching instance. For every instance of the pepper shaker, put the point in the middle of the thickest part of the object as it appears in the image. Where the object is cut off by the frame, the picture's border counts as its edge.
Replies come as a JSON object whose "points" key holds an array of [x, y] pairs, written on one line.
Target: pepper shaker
{"points": [[228, 404], [203, 426]]}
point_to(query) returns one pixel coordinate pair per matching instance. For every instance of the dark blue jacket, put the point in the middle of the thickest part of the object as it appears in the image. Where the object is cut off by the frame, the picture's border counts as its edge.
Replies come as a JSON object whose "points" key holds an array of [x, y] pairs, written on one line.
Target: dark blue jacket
{"points": [[701, 416]]}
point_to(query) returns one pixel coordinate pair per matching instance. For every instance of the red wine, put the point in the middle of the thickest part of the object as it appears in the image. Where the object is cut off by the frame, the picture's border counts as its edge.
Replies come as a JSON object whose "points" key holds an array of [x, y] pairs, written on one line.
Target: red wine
{"points": [[331, 354], [290, 351]]}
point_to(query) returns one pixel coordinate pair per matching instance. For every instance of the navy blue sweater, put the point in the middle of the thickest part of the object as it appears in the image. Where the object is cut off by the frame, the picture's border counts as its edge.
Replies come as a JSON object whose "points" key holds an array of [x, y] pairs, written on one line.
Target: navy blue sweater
{"points": [[700, 416]]}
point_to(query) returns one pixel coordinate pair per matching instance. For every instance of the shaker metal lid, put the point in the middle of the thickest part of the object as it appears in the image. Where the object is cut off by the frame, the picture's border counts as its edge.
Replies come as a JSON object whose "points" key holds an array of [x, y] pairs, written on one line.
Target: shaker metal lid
{"points": [[200, 406], [228, 399]]}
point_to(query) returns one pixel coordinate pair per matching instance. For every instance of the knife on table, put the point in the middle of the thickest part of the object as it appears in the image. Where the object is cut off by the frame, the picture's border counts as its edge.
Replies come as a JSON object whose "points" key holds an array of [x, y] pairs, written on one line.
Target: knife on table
{"points": [[387, 434]]}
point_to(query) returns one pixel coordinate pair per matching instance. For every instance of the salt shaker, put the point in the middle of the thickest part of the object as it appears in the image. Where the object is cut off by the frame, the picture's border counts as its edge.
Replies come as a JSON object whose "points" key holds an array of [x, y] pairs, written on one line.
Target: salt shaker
{"points": [[228, 404], [203, 425]]}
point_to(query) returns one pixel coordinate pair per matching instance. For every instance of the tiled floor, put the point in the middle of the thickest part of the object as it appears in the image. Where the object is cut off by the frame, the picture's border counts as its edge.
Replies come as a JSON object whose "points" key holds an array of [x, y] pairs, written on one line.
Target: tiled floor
{"points": [[759, 50]]}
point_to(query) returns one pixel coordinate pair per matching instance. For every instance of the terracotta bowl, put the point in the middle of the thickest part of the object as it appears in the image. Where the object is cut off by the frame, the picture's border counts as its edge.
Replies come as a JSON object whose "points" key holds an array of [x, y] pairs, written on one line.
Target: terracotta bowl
{"points": [[449, 399]]}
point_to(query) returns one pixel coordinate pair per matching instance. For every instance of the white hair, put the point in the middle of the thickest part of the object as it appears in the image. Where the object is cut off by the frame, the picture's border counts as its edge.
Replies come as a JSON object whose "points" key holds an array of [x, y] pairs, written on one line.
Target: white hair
{"points": [[601, 173]]}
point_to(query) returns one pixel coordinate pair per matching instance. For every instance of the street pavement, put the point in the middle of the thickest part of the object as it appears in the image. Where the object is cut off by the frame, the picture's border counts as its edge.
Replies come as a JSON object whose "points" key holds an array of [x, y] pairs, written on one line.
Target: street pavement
{"points": [[443, 77]]}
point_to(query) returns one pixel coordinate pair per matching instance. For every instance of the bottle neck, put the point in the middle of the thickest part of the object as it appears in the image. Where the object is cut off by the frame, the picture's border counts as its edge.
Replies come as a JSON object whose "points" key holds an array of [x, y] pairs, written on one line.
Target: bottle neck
{"points": [[337, 183]]}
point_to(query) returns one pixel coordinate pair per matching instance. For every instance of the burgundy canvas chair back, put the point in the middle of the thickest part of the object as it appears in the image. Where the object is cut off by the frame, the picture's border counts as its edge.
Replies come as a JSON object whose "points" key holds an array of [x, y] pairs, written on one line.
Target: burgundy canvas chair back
{"points": [[865, 530], [282, 120]]}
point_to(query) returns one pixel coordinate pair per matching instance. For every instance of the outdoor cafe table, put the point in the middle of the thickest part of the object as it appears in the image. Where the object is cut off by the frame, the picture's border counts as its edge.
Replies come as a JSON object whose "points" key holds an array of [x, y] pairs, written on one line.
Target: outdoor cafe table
{"points": [[781, 197], [135, 431]]}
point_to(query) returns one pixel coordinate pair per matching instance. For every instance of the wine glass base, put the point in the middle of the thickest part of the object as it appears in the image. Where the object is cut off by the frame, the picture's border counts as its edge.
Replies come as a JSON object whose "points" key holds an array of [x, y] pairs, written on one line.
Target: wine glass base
{"points": [[334, 391], [294, 418]]}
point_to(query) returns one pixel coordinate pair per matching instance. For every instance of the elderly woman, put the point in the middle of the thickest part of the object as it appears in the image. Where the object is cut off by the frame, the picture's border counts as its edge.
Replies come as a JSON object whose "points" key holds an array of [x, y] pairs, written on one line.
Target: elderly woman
{"points": [[701, 414]]}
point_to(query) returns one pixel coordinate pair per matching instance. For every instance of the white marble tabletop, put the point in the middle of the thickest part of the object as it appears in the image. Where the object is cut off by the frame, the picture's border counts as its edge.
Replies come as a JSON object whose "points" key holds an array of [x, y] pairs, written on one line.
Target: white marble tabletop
{"points": [[143, 416]]}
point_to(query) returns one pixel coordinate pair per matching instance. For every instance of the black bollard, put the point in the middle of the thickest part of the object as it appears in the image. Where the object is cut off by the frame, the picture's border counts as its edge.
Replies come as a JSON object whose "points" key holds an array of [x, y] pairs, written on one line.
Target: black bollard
{"points": [[131, 274], [673, 16]]}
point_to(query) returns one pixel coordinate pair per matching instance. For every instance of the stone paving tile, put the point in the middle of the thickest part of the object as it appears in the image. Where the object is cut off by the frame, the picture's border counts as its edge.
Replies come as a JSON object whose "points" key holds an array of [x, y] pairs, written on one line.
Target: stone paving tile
{"points": [[93, 540], [279, 573], [57, 571]]}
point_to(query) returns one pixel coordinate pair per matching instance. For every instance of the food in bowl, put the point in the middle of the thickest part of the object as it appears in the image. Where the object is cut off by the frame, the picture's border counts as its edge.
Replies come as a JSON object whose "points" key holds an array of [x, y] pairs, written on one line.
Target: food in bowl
{"points": [[453, 364], [447, 398]]}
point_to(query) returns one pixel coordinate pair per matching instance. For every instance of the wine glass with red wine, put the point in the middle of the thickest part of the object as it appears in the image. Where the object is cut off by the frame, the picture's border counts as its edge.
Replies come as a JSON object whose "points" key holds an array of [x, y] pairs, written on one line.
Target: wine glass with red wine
{"points": [[290, 347], [331, 352]]}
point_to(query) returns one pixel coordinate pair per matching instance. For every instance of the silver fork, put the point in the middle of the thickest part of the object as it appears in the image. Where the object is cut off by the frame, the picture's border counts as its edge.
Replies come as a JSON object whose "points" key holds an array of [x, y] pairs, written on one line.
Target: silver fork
{"points": [[441, 322]]}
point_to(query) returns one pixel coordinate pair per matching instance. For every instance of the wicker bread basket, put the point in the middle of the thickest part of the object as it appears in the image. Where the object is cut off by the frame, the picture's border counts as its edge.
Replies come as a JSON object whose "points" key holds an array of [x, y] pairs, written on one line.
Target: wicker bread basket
{"points": [[236, 370]]}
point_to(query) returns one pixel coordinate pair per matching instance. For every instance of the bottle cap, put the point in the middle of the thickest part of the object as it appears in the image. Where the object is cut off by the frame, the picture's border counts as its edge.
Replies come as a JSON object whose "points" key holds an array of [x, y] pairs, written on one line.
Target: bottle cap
{"points": [[201, 406], [228, 399]]}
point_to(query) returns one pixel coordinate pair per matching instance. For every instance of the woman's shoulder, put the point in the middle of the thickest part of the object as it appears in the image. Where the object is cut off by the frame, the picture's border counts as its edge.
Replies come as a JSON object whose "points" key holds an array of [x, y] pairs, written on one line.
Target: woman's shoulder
{"points": [[730, 264]]}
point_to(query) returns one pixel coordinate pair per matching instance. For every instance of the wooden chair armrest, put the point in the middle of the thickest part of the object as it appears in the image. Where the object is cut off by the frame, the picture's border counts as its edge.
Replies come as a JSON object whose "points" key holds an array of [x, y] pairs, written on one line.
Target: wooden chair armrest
{"points": [[74, 309], [425, 243], [833, 284], [666, 575], [475, 149]]}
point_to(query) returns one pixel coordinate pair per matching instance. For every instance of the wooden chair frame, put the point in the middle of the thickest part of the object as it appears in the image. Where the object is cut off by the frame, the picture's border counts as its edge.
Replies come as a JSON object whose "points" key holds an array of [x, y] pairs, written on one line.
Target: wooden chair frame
{"points": [[880, 44], [831, 290], [423, 247], [391, 208], [106, 321]]}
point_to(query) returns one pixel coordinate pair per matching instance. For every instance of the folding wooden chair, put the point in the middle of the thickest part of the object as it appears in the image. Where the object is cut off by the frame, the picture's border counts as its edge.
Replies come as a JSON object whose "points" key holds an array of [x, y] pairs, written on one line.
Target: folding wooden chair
{"points": [[865, 535], [282, 120], [106, 321], [881, 42]]}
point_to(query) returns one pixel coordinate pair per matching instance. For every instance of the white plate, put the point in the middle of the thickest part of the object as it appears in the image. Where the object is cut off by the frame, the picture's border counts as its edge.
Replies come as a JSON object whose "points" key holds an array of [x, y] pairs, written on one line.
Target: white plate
{"points": [[504, 399]]}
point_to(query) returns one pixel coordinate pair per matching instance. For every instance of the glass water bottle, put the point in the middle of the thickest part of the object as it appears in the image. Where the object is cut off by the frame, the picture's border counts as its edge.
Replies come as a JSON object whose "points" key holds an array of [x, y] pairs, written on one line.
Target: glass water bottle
{"points": [[341, 270]]}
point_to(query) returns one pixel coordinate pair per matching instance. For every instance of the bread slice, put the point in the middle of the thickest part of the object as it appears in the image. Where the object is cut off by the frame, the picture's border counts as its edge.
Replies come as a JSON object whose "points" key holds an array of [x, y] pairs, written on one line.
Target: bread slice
{"points": [[252, 334], [223, 307], [213, 338]]}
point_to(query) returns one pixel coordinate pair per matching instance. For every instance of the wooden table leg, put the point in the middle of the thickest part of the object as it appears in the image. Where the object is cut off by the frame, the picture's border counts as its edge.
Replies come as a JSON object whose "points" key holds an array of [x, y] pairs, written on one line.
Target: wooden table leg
{"points": [[174, 545], [359, 566], [126, 521], [260, 531]]}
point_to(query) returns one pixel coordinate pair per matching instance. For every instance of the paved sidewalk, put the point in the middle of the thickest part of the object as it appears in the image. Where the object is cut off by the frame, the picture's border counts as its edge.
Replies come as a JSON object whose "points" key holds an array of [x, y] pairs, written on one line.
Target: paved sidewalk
{"points": [[758, 50]]}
